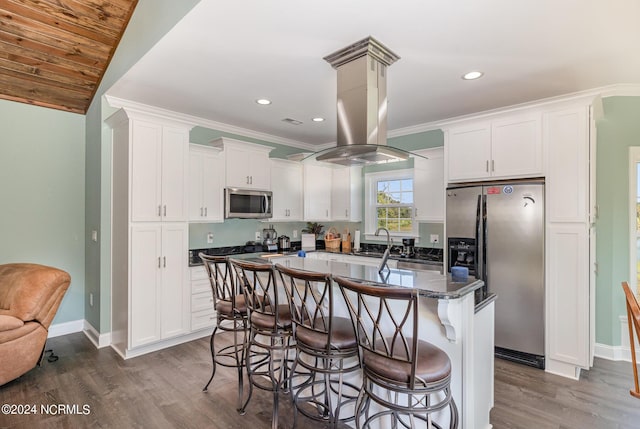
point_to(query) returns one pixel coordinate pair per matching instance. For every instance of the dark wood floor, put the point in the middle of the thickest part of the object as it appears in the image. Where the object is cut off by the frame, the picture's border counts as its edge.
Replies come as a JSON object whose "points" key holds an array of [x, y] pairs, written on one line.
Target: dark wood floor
{"points": [[164, 390]]}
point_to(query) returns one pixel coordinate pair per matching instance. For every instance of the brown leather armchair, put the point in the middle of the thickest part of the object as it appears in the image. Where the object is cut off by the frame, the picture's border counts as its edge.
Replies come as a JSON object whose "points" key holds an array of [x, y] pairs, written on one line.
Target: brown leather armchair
{"points": [[30, 295]]}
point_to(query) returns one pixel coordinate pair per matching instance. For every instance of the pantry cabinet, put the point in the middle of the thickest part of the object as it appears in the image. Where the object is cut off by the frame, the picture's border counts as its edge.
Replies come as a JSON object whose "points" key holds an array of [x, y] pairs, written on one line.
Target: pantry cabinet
{"points": [[501, 148], [286, 185], [346, 194], [206, 184], [247, 164], [428, 184]]}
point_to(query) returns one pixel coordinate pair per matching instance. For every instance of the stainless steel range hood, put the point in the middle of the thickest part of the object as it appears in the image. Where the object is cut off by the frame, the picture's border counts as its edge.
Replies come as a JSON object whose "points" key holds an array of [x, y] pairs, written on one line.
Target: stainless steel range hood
{"points": [[362, 105]]}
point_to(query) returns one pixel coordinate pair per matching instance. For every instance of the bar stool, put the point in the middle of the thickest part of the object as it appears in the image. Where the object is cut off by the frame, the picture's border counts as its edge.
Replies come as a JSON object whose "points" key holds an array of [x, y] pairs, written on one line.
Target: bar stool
{"points": [[267, 357], [326, 347], [407, 377], [231, 314]]}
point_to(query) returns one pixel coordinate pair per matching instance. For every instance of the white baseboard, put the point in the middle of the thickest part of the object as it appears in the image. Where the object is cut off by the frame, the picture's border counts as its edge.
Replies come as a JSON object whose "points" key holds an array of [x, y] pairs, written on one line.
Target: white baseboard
{"points": [[99, 340], [65, 328], [621, 352]]}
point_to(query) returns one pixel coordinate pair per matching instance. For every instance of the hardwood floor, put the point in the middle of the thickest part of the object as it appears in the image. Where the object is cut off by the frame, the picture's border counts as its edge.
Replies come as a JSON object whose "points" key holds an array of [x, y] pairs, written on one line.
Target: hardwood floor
{"points": [[164, 390]]}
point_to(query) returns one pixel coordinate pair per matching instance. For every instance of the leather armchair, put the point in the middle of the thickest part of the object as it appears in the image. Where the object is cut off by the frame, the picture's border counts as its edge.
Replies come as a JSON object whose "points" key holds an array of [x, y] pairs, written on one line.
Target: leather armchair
{"points": [[30, 295]]}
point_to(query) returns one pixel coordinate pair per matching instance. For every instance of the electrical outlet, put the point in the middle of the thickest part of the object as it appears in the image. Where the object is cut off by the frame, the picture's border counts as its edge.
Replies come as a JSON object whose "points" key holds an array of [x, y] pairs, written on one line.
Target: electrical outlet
{"points": [[257, 235], [209, 237], [295, 233], [435, 238], [94, 236], [90, 300]]}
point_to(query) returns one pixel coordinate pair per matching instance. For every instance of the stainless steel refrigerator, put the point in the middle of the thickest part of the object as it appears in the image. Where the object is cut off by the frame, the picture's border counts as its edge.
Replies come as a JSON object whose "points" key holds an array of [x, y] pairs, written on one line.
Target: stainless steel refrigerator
{"points": [[496, 230]]}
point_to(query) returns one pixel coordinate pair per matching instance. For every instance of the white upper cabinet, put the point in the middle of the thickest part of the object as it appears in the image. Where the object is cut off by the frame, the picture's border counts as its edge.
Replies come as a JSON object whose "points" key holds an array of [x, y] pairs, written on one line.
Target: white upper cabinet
{"points": [[428, 185], [286, 185], [158, 171], [247, 164], [317, 192], [509, 147], [346, 194], [206, 184]]}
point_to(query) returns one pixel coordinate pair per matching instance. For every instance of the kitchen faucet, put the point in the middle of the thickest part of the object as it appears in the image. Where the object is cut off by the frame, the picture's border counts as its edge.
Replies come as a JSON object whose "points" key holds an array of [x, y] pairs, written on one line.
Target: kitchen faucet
{"points": [[385, 255]]}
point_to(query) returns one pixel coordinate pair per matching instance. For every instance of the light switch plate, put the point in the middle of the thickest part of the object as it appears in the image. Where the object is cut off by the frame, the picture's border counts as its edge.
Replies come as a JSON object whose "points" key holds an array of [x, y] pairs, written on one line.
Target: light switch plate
{"points": [[257, 235], [210, 238], [295, 233], [435, 238]]}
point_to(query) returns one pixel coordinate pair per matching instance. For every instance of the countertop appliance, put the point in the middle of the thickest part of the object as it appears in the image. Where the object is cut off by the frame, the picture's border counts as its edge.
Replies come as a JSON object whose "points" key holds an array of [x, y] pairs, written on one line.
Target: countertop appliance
{"points": [[496, 230], [284, 243], [247, 204], [270, 239], [408, 248]]}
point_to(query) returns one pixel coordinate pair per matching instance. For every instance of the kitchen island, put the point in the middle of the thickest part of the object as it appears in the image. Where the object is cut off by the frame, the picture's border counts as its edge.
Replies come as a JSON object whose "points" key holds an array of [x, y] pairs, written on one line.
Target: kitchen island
{"points": [[454, 316]]}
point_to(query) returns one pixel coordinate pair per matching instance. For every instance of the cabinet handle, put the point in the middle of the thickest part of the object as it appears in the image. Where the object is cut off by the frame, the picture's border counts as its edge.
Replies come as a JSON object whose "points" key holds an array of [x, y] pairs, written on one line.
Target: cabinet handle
{"points": [[346, 212], [205, 211], [487, 166], [493, 165], [416, 215], [160, 211], [165, 210], [200, 211], [247, 180], [158, 261], [251, 180], [327, 212], [164, 261]]}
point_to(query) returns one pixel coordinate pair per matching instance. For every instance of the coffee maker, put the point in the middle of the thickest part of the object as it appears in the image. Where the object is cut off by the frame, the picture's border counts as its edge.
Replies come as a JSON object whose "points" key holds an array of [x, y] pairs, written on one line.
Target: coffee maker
{"points": [[408, 248]]}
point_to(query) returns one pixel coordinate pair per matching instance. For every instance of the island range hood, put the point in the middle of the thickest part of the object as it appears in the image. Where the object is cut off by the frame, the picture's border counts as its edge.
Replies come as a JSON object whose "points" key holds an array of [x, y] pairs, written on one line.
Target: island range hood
{"points": [[362, 105]]}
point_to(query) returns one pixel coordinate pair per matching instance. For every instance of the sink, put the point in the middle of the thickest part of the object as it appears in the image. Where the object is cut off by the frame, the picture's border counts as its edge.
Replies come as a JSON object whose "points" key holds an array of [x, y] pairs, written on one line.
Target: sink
{"points": [[419, 266], [370, 254]]}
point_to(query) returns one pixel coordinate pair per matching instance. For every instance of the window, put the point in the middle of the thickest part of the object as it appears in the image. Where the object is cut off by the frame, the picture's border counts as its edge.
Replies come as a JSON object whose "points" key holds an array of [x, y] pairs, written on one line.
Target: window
{"points": [[390, 199]]}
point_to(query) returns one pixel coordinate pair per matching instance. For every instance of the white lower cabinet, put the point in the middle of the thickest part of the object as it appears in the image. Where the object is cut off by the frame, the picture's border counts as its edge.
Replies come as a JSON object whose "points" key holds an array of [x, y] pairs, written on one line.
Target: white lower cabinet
{"points": [[159, 292], [203, 314]]}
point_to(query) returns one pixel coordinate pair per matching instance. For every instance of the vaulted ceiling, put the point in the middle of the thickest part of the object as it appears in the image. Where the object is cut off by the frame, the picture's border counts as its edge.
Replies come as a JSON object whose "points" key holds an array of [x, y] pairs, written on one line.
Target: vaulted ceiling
{"points": [[53, 53]]}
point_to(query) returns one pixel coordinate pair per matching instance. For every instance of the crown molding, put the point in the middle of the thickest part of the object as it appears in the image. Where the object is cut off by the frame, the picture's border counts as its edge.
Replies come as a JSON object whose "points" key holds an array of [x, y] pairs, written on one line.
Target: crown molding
{"points": [[202, 122], [586, 96]]}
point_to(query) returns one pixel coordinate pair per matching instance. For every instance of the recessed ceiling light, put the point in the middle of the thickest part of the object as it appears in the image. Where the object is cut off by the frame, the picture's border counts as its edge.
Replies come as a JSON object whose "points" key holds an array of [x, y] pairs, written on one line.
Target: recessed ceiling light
{"points": [[318, 119], [263, 101], [472, 75]]}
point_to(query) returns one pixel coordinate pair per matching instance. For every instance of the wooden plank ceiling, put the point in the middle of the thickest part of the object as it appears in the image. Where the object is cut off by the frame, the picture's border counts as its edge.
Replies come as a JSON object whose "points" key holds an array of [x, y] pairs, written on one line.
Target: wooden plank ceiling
{"points": [[53, 53]]}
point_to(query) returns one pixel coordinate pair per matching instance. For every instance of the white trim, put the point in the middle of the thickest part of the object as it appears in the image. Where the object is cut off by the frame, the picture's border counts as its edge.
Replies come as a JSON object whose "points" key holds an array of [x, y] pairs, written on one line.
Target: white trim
{"points": [[605, 351], [60, 329], [99, 340], [207, 123], [139, 351], [369, 200], [634, 159]]}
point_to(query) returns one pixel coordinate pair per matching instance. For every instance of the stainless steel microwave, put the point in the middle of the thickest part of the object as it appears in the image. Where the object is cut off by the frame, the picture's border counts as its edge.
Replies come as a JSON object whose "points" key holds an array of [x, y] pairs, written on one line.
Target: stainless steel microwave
{"points": [[247, 204]]}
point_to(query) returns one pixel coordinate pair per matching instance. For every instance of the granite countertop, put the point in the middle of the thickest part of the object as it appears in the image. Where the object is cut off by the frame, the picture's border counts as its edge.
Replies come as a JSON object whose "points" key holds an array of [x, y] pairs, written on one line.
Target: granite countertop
{"points": [[430, 284]]}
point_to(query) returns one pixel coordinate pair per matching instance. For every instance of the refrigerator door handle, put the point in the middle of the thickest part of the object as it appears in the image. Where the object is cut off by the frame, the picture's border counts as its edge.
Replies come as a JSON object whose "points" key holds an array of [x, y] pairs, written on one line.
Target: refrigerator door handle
{"points": [[477, 237], [484, 238]]}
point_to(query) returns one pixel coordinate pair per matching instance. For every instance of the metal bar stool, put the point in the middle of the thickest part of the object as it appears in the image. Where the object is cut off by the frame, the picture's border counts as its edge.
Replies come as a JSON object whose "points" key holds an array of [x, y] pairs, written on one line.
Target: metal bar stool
{"points": [[270, 332], [231, 314], [408, 378], [326, 347]]}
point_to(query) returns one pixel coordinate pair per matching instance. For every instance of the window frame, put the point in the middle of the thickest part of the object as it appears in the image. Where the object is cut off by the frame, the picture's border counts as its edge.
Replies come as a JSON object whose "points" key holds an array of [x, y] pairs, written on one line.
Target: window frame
{"points": [[370, 200]]}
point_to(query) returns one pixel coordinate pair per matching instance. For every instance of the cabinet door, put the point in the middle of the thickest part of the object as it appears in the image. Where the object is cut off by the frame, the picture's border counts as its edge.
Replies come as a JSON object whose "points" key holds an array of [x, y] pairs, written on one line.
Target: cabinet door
{"points": [[174, 173], [144, 289], [146, 171], [196, 183], [317, 193], [246, 168], [428, 185], [213, 186], [566, 135], [286, 183], [175, 291], [469, 152], [516, 147], [346, 194]]}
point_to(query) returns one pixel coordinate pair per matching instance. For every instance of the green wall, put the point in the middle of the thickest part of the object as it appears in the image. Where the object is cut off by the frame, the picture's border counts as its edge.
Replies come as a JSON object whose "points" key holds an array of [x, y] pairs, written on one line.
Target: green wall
{"points": [[42, 192], [616, 132]]}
